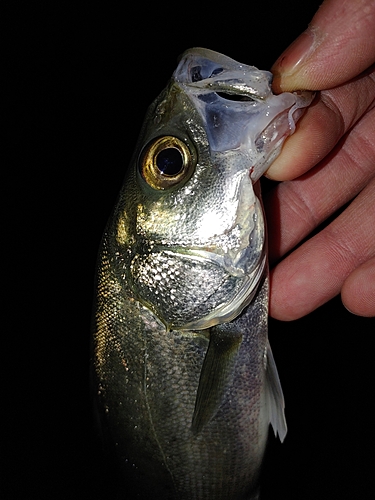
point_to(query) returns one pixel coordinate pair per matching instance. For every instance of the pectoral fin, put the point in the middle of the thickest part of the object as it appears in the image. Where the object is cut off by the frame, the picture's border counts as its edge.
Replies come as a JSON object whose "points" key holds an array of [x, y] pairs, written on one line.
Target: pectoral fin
{"points": [[216, 374], [274, 397]]}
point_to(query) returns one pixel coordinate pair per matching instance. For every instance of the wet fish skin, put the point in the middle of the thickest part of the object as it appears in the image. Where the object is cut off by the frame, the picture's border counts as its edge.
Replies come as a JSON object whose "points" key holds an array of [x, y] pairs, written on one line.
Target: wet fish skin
{"points": [[186, 382]]}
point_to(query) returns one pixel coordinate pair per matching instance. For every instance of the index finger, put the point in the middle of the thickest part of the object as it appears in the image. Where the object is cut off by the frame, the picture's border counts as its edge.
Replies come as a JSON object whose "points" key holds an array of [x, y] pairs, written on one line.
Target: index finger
{"points": [[333, 113]]}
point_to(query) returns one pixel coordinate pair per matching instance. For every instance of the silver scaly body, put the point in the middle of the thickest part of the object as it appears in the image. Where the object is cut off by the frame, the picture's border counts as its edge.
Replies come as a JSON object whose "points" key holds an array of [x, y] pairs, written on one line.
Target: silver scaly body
{"points": [[184, 373]]}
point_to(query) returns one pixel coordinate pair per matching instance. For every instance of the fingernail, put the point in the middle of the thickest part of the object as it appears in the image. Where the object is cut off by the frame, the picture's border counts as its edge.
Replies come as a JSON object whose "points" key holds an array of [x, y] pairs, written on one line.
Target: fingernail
{"points": [[293, 57]]}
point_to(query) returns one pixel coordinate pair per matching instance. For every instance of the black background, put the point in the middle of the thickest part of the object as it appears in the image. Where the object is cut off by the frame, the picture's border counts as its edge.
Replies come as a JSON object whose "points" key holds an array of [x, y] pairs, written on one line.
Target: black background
{"points": [[78, 82]]}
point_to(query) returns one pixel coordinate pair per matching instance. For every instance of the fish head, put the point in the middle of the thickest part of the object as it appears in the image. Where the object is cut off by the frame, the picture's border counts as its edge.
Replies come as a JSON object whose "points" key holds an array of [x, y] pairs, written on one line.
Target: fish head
{"points": [[190, 227]]}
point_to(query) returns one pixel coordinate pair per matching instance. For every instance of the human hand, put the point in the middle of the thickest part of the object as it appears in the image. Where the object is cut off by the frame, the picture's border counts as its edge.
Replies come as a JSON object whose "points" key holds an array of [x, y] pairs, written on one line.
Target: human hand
{"points": [[329, 161]]}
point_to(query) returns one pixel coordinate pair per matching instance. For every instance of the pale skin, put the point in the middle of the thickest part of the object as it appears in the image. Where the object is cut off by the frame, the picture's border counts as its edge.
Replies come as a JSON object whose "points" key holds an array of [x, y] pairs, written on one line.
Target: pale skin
{"points": [[327, 163]]}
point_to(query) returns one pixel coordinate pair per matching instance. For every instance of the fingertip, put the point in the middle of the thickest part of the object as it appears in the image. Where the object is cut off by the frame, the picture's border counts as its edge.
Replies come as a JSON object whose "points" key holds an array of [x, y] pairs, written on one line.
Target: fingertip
{"points": [[358, 290], [314, 137], [288, 69]]}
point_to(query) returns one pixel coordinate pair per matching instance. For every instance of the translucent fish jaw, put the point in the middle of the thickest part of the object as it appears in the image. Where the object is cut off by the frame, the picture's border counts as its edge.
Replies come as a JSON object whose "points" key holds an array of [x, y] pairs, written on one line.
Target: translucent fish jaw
{"points": [[238, 108], [204, 69]]}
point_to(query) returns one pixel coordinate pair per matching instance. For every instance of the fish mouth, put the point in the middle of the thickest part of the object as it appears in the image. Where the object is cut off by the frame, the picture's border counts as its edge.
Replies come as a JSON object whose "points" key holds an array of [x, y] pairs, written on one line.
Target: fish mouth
{"points": [[226, 311], [269, 141], [238, 108]]}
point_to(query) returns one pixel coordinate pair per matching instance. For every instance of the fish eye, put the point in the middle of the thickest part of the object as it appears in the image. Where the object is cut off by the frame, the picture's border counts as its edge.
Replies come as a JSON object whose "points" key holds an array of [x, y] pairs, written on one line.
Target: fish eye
{"points": [[165, 162]]}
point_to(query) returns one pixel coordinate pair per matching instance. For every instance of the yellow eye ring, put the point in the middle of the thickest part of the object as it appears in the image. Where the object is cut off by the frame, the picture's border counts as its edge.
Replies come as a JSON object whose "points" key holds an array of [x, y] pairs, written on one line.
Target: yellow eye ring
{"points": [[165, 162]]}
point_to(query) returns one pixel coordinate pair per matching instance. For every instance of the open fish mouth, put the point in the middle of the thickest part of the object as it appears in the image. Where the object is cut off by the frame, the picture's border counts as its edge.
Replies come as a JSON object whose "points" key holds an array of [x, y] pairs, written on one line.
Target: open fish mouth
{"points": [[238, 107]]}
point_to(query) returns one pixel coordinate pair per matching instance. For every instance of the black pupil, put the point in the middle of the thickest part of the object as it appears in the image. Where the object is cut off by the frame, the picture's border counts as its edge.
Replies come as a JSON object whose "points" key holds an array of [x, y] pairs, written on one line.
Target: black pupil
{"points": [[169, 161]]}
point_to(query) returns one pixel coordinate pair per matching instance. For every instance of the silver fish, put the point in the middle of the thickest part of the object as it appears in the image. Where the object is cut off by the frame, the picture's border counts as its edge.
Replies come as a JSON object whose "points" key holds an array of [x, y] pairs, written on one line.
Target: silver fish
{"points": [[185, 378]]}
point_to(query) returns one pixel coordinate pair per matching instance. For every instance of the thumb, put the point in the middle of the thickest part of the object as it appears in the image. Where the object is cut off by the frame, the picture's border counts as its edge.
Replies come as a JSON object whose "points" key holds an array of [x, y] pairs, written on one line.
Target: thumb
{"points": [[338, 45]]}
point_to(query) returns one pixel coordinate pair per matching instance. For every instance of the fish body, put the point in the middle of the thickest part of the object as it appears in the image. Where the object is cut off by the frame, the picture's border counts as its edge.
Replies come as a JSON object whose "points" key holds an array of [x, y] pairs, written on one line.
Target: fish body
{"points": [[185, 379]]}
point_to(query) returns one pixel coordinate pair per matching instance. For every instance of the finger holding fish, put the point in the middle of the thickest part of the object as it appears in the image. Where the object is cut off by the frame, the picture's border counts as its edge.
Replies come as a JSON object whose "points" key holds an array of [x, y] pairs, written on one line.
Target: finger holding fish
{"points": [[298, 207], [333, 114], [328, 162], [337, 46]]}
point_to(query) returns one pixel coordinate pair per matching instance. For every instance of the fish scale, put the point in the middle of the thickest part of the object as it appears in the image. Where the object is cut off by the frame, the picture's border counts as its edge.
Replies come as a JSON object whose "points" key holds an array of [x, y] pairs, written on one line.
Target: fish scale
{"points": [[185, 379]]}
